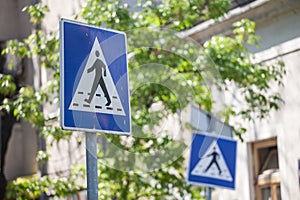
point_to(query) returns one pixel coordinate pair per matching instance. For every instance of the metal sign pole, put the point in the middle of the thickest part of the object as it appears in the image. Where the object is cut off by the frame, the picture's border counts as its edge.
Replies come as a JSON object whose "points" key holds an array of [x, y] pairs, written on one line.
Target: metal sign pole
{"points": [[91, 166], [208, 193]]}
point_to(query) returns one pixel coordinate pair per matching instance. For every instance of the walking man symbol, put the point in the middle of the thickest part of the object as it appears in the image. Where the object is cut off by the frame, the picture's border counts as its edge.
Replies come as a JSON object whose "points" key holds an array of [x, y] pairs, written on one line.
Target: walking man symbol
{"points": [[98, 66], [214, 156]]}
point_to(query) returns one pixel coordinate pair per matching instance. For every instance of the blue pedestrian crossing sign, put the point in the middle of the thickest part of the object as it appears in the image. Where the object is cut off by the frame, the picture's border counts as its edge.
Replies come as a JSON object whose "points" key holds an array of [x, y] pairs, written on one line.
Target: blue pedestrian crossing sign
{"points": [[94, 88], [212, 161]]}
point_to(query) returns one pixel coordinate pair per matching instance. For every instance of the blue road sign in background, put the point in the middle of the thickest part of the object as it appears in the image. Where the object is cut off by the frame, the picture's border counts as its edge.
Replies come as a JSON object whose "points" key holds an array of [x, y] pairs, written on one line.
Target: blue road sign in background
{"points": [[212, 161], [94, 90]]}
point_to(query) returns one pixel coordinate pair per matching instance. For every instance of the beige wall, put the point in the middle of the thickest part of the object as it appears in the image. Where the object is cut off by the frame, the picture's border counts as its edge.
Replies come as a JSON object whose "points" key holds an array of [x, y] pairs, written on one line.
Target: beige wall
{"points": [[279, 28], [66, 153], [13, 22], [284, 124], [21, 152], [23, 145], [289, 129], [60, 9]]}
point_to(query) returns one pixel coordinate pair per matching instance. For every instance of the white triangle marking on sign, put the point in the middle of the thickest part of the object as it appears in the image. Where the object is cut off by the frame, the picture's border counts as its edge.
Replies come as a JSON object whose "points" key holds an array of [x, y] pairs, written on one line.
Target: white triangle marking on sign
{"points": [[209, 162], [98, 100]]}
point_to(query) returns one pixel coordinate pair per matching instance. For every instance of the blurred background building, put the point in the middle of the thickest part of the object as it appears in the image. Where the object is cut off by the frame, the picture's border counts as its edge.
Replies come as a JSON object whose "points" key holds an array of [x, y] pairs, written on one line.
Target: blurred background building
{"points": [[267, 164], [24, 143]]}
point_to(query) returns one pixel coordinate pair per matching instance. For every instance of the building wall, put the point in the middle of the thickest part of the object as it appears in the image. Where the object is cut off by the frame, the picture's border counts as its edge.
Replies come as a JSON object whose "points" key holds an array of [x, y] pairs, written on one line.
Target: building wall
{"points": [[60, 9], [66, 153], [21, 152], [280, 40], [284, 123], [22, 147], [278, 26], [288, 129], [13, 22]]}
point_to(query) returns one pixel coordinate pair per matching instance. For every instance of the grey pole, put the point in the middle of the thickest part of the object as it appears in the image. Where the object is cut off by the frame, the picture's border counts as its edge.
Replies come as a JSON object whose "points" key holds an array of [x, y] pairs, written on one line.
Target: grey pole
{"points": [[208, 193], [91, 166]]}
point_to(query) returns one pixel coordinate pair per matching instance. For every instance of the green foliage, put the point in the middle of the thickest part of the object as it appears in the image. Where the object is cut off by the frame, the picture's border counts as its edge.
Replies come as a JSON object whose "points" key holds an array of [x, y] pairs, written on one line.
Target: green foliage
{"points": [[42, 157], [165, 176], [14, 47], [244, 31], [7, 86], [26, 106], [54, 132], [36, 12], [173, 14], [162, 182], [32, 187]]}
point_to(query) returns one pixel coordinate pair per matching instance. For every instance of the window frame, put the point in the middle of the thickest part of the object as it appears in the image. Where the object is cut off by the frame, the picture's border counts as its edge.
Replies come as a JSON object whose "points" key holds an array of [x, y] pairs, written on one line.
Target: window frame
{"points": [[256, 146]]}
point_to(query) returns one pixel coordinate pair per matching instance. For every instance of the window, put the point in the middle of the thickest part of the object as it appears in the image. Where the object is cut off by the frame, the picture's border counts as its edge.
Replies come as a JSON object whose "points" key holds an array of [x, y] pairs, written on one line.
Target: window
{"points": [[266, 169]]}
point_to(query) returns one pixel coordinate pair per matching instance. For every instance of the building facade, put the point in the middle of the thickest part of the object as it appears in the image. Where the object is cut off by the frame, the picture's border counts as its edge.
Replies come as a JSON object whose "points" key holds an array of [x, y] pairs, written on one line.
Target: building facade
{"points": [[22, 147], [24, 141], [267, 163]]}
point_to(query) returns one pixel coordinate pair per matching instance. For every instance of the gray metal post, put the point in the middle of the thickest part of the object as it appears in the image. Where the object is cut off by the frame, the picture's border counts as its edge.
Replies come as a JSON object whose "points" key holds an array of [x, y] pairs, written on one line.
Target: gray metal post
{"points": [[91, 166], [208, 193]]}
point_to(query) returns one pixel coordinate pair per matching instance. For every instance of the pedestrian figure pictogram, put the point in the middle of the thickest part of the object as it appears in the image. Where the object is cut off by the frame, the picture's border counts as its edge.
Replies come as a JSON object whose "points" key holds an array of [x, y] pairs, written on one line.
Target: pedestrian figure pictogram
{"points": [[214, 156], [98, 66], [212, 164]]}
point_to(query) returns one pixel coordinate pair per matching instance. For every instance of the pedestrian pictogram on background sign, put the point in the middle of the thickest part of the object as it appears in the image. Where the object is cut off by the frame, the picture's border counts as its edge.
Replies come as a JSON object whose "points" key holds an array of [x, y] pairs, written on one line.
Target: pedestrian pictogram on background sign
{"points": [[212, 164], [94, 79], [212, 161]]}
